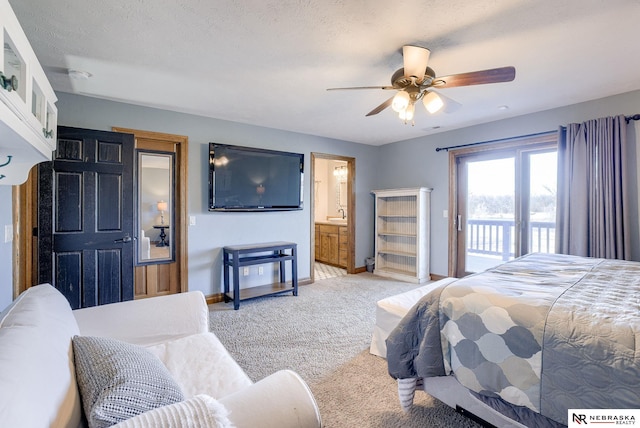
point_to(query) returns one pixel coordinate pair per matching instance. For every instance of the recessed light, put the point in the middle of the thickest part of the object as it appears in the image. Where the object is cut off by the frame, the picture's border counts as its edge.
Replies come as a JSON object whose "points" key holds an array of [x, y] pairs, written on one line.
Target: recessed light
{"points": [[503, 107], [79, 75]]}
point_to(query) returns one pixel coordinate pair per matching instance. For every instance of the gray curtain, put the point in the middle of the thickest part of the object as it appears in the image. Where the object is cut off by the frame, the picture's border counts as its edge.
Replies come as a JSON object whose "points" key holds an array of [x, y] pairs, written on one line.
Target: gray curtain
{"points": [[592, 211]]}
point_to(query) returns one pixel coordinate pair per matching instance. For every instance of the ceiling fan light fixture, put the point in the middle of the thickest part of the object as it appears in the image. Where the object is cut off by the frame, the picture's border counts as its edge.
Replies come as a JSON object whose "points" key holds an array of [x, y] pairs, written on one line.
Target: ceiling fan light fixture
{"points": [[407, 114], [401, 101], [432, 102], [415, 61]]}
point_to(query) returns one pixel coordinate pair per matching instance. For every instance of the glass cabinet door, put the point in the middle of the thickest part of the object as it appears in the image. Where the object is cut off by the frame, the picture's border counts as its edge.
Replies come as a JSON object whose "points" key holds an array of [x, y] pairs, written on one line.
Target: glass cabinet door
{"points": [[14, 67]]}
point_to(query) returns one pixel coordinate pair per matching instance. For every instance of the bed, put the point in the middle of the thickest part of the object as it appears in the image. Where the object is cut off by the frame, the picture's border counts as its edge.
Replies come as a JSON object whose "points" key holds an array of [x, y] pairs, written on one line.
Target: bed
{"points": [[528, 339]]}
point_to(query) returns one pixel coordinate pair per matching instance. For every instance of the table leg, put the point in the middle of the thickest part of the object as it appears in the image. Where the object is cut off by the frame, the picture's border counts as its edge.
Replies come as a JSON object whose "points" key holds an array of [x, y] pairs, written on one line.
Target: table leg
{"points": [[283, 276], [294, 270], [226, 267], [236, 282]]}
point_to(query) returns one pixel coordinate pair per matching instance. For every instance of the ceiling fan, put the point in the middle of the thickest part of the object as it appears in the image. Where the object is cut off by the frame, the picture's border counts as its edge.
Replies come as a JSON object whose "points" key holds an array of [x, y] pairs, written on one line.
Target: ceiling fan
{"points": [[416, 81]]}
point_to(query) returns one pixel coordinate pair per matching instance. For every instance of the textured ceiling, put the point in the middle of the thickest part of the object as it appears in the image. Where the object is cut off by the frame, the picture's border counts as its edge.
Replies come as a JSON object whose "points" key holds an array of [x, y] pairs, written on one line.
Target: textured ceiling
{"points": [[268, 62]]}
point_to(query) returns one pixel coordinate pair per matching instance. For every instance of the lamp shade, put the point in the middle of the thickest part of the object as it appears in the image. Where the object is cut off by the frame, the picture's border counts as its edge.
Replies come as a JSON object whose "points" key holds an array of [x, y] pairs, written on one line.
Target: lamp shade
{"points": [[415, 61], [407, 114], [162, 206], [400, 101], [432, 102]]}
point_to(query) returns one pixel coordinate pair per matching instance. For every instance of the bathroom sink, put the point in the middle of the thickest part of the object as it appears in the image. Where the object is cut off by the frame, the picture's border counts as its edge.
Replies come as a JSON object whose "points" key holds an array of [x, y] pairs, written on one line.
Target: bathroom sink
{"points": [[337, 220]]}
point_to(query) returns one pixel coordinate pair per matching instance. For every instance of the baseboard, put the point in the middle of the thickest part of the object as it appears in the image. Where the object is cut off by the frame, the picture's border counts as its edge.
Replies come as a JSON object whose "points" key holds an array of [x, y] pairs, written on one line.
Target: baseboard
{"points": [[214, 298], [219, 297]]}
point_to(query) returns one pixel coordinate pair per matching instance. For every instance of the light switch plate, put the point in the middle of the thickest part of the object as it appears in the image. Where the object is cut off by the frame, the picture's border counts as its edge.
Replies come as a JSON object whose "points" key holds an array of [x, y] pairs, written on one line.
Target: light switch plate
{"points": [[8, 233]]}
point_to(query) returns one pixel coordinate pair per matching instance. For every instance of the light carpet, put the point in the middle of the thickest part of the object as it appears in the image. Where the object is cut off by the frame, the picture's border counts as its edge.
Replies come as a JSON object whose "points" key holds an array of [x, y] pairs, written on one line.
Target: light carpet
{"points": [[324, 334]]}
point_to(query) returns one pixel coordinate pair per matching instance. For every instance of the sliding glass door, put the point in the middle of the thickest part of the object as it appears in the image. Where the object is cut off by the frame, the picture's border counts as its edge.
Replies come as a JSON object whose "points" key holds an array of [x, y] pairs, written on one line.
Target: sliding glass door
{"points": [[504, 205], [486, 214], [539, 199]]}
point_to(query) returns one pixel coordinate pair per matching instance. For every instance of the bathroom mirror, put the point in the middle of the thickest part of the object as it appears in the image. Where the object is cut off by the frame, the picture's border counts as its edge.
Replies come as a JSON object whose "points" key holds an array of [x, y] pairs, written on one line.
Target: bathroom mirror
{"points": [[342, 194], [340, 173], [156, 184]]}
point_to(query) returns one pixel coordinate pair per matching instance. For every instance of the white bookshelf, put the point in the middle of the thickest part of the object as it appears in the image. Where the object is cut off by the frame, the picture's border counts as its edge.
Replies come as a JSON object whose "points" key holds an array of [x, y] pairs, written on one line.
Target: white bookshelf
{"points": [[402, 234]]}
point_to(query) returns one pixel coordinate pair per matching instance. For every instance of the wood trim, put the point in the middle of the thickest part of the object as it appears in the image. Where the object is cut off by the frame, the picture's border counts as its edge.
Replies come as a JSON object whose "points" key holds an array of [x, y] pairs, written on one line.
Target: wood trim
{"points": [[24, 211], [214, 298], [312, 219], [453, 209], [181, 215], [19, 265]]}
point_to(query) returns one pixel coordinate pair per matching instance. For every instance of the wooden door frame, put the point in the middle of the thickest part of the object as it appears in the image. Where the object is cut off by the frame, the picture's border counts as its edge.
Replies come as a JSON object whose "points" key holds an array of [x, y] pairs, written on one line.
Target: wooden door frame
{"points": [[24, 203], [351, 209], [181, 143]]}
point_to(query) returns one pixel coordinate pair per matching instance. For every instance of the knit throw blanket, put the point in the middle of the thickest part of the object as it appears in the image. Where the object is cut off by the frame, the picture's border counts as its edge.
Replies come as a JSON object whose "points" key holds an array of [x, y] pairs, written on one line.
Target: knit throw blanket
{"points": [[196, 412]]}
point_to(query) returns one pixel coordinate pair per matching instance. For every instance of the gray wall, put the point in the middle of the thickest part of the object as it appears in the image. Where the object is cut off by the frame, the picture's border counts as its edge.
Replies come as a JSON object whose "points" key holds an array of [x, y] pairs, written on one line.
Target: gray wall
{"points": [[404, 164], [213, 230]]}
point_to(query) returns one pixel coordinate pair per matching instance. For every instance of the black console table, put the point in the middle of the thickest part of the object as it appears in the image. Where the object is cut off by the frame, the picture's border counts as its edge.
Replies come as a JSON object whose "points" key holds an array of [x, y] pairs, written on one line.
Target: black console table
{"points": [[236, 256]]}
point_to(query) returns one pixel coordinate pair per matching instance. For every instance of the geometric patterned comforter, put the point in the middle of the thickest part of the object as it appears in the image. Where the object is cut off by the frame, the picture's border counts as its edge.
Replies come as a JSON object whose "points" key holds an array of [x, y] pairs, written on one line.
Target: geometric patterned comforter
{"points": [[547, 332]]}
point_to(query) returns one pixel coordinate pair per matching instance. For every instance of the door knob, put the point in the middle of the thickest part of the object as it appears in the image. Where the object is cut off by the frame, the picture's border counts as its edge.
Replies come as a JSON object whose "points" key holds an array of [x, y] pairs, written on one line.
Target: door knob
{"points": [[124, 240]]}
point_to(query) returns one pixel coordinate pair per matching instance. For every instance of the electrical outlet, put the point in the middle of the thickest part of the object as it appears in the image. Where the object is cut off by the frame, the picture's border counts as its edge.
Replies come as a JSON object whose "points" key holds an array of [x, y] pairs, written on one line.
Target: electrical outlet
{"points": [[260, 270], [245, 271]]}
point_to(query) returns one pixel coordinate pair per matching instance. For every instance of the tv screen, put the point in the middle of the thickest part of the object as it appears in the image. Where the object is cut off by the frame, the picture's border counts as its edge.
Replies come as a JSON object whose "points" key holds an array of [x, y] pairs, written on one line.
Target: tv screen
{"points": [[251, 179]]}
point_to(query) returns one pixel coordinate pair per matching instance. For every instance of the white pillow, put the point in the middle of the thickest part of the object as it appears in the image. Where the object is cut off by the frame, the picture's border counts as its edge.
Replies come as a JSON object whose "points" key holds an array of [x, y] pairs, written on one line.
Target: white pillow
{"points": [[197, 412], [201, 365]]}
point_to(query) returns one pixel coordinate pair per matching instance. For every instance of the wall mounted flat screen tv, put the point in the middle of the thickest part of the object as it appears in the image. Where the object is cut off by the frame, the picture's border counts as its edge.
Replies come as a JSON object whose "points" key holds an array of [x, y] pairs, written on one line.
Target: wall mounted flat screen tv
{"points": [[252, 179]]}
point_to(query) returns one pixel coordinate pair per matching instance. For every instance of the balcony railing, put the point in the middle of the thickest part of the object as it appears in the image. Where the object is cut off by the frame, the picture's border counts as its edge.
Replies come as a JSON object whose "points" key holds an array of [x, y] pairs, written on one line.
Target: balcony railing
{"points": [[497, 237]]}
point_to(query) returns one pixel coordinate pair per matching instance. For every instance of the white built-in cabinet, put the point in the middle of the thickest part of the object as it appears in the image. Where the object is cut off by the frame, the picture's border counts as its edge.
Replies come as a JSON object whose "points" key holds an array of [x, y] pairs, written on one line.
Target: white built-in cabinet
{"points": [[402, 234], [28, 114]]}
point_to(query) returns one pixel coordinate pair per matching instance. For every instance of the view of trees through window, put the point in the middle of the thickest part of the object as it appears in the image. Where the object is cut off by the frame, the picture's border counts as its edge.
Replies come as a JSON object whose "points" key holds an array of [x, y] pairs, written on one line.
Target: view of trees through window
{"points": [[492, 201]]}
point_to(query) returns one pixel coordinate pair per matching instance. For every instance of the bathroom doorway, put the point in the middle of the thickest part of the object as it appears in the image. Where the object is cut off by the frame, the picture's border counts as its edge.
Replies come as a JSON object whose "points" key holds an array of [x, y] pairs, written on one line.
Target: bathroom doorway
{"points": [[332, 214]]}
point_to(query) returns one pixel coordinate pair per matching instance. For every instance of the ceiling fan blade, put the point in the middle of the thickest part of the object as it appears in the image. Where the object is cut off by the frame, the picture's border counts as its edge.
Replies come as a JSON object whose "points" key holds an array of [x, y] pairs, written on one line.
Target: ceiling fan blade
{"points": [[381, 107], [415, 61], [494, 75], [360, 87]]}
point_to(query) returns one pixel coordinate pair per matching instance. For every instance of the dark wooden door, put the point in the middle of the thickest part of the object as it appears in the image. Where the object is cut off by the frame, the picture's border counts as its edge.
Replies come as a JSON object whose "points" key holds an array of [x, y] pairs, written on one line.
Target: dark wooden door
{"points": [[86, 217]]}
